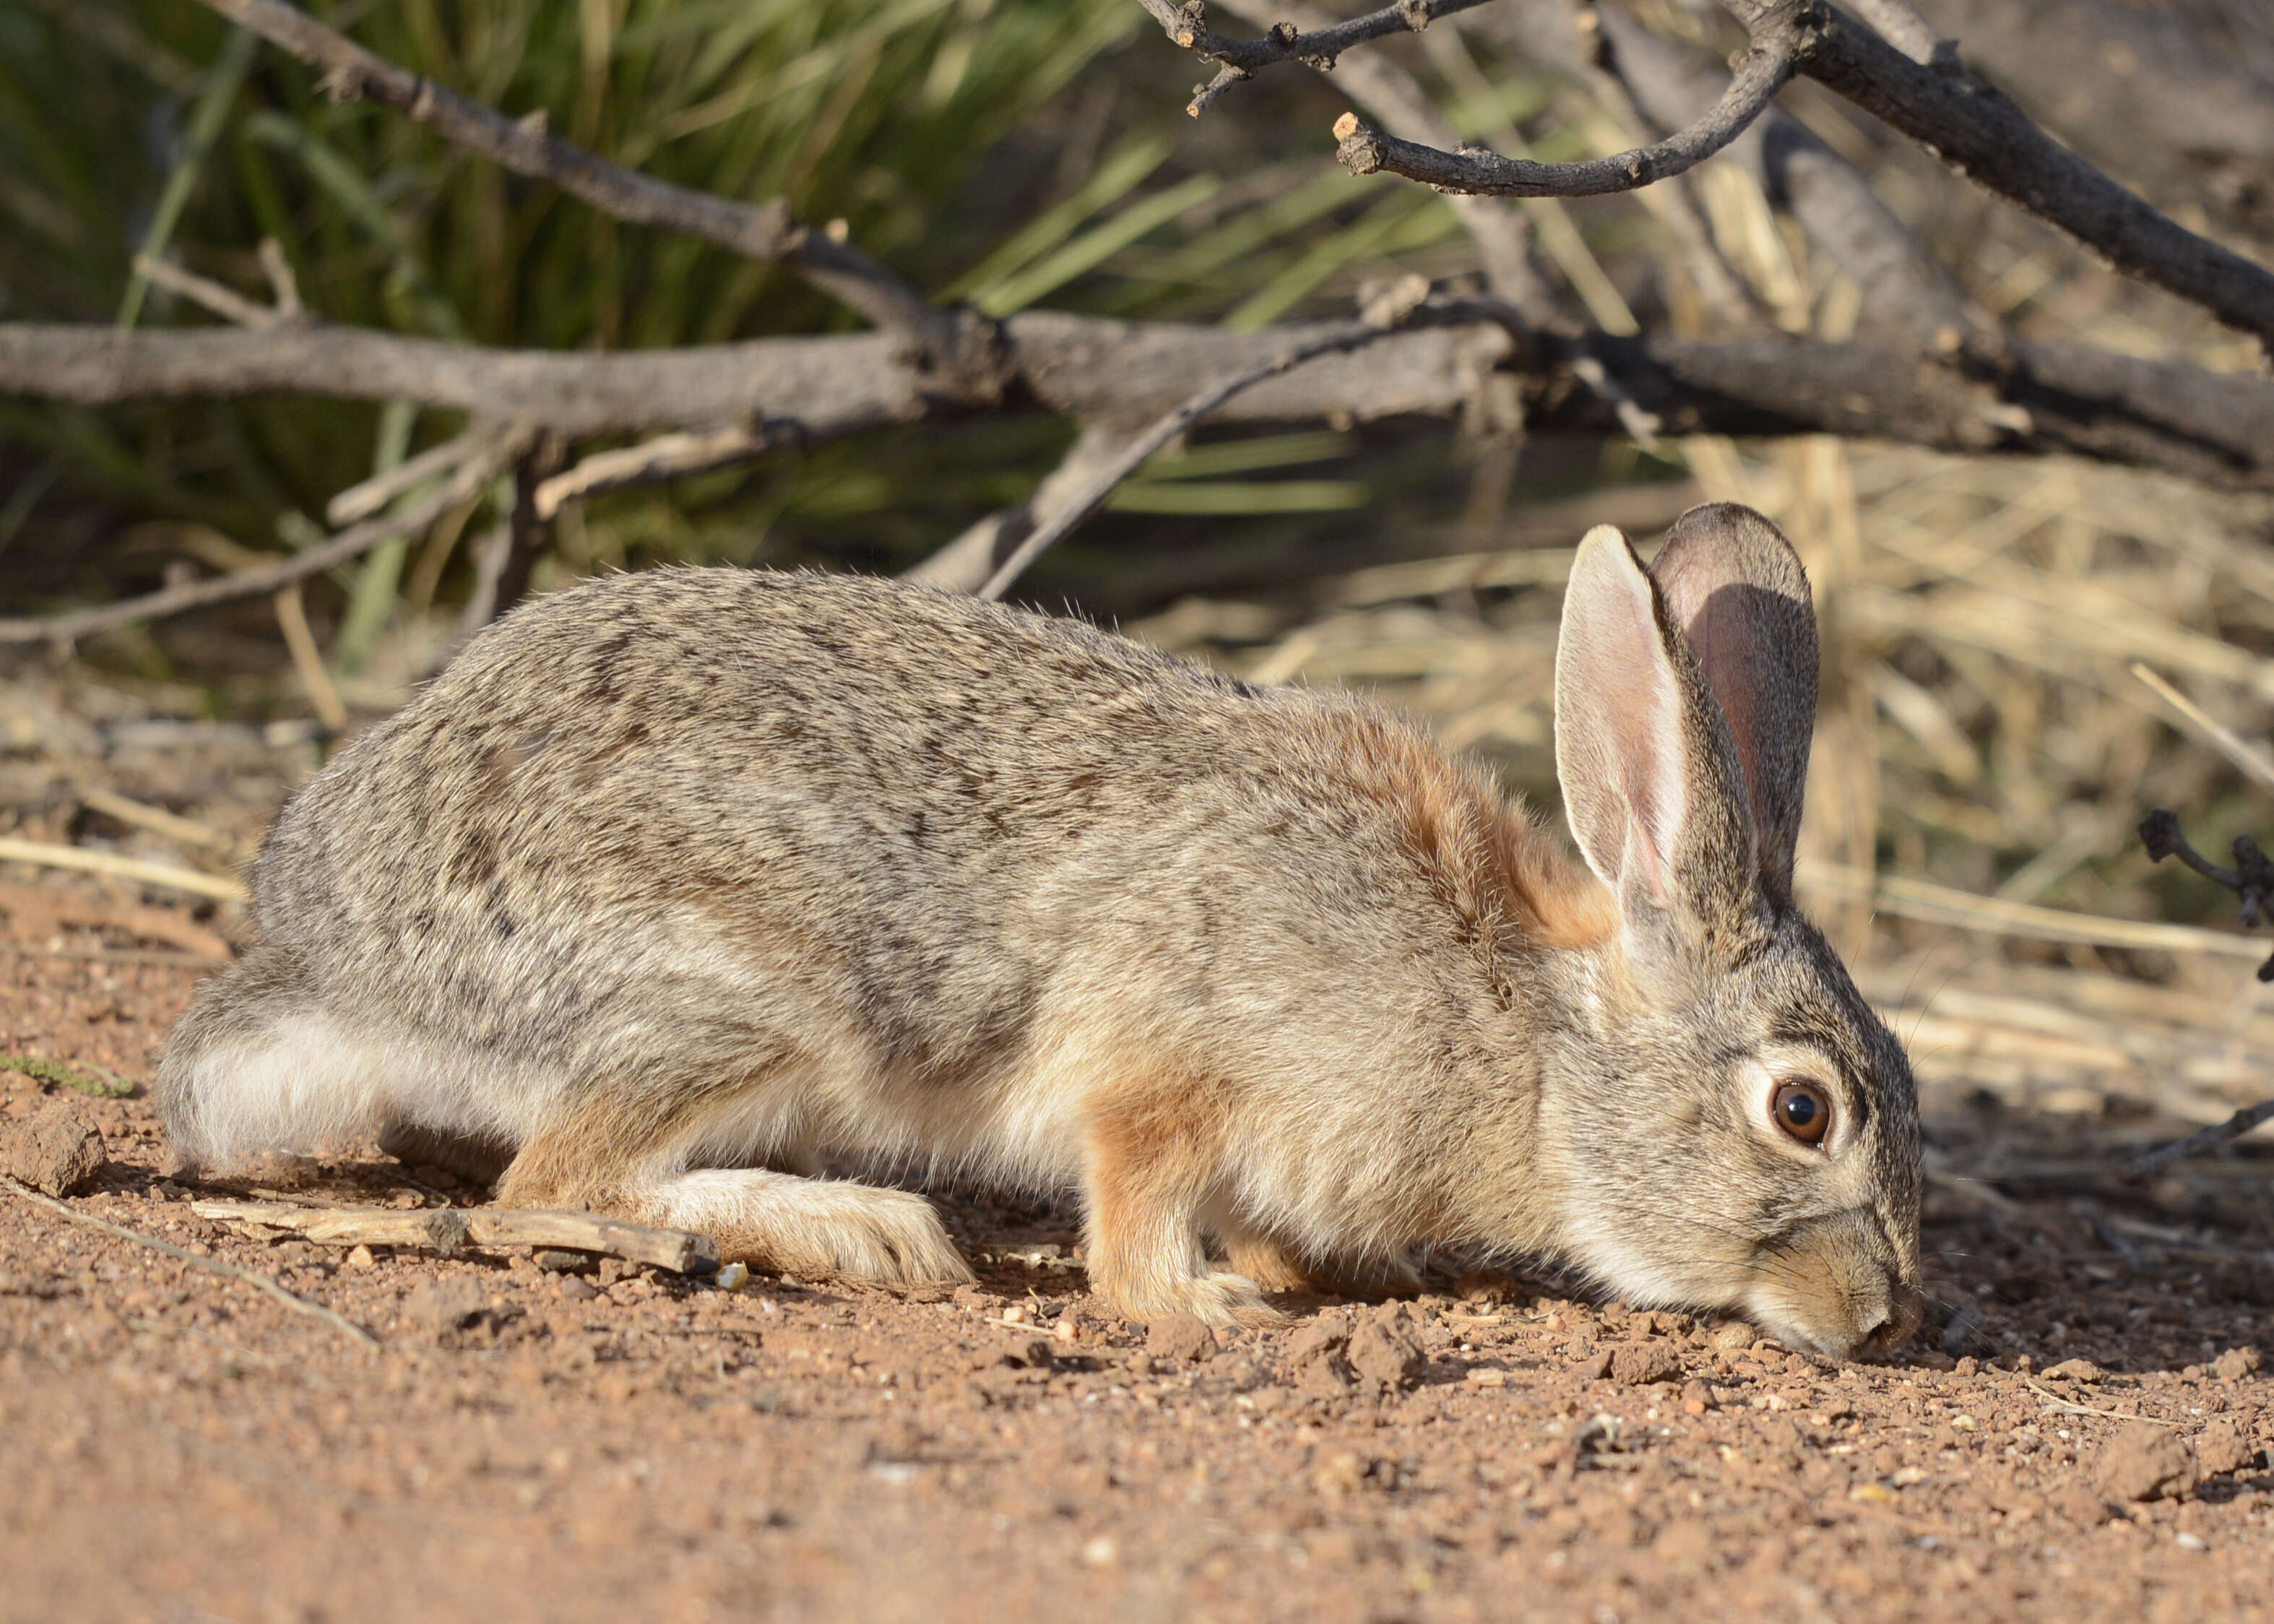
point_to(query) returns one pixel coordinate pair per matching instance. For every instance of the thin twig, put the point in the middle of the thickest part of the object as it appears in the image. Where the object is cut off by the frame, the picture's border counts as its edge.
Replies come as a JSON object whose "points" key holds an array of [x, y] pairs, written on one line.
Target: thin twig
{"points": [[667, 456], [2155, 1160], [2251, 879], [2069, 1407], [211, 1266], [360, 501], [1392, 96], [308, 660], [286, 286], [1187, 413], [1759, 74], [1187, 27], [1724, 292], [967, 562], [47, 855], [352, 543], [226, 303]]}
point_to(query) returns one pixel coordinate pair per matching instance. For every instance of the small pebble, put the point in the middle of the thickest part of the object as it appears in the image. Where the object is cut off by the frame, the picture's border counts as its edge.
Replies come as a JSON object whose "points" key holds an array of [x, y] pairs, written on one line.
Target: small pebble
{"points": [[361, 1257], [732, 1277], [576, 1289]]}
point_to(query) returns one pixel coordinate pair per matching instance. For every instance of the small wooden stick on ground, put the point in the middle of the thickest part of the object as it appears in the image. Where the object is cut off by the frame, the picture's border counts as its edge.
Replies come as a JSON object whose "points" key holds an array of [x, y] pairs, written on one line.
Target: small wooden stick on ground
{"points": [[211, 1266], [448, 1229]]}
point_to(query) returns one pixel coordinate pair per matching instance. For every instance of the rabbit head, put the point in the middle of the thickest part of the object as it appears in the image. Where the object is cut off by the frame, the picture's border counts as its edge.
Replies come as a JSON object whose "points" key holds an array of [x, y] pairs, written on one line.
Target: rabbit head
{"points": [[1736, 1128]]}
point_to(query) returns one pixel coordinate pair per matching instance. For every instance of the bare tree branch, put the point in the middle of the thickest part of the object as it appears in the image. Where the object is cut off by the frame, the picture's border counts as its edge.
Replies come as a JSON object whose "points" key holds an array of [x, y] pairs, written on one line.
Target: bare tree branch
{"points": [[1454, 359], [1760, 73], [1719, 286], [1187, 25], [957, 342], [1978, 132]]}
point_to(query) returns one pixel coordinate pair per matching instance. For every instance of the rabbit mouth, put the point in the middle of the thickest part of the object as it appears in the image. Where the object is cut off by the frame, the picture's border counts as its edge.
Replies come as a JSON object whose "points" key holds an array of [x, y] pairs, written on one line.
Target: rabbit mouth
{"points": [[1841, 1306]]}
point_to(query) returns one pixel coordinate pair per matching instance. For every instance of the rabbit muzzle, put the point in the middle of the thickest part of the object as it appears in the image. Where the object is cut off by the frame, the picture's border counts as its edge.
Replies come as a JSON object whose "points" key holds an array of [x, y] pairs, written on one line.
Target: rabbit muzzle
{"points": [[1849, 1290]]}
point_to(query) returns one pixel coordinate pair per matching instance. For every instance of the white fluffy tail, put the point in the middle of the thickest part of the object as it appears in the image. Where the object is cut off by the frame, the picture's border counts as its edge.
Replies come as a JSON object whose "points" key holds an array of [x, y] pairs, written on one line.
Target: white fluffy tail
{"points": [[233, 1089]]}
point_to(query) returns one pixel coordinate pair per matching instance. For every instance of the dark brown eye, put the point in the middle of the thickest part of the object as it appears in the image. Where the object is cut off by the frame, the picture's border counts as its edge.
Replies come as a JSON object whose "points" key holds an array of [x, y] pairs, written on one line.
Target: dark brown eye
{"points": [[1802, 1110]]}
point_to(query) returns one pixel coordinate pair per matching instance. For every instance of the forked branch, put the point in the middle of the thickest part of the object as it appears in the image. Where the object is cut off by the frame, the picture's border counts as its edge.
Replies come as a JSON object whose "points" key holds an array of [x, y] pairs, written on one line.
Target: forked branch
{"points": [[1759, 74], [1188, 25]]}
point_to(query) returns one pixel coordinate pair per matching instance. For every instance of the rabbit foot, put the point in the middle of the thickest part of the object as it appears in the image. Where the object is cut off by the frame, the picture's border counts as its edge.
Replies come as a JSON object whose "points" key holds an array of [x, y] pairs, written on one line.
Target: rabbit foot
{"points": [[1216, 1297], [823, 1228]]}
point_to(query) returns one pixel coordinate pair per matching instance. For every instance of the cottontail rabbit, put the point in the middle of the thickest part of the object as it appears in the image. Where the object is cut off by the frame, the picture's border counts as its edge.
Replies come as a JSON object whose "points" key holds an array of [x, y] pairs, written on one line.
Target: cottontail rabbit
{"points": [[675, 883]]}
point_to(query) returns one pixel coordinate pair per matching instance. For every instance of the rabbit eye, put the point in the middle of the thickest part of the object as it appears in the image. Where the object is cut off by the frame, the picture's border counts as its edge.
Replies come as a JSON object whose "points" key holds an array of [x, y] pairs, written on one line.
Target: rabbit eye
{"points": [[1801, 1110]]}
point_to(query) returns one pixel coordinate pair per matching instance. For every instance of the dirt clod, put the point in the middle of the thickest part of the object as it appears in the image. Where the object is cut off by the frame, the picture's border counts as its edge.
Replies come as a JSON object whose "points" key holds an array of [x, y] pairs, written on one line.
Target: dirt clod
{"points": [[2084, 1371], [1316, 1357], [2222, 1447], [2235, 1364], [2074, 1502], [1734, 1335], [1179, 1336], [2145, 1461], [57, 1152], [440, 1307], [1638, 1364], [1384, 1353]]}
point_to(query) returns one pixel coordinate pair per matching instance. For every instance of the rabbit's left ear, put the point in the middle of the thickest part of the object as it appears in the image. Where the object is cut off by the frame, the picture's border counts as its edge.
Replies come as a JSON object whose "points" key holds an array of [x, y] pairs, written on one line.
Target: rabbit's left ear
{"points": [[1733, 583], [1652, 785]]}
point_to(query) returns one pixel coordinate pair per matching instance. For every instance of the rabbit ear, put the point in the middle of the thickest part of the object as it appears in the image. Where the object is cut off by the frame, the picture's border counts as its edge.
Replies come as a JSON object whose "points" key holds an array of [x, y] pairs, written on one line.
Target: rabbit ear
{"points": [[1651, 781], [1734, 584]]}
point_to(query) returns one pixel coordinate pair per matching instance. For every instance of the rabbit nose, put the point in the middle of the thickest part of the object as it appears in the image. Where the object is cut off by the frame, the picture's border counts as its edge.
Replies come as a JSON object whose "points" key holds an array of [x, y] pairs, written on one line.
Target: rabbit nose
{"points": [[1905, 1306]]}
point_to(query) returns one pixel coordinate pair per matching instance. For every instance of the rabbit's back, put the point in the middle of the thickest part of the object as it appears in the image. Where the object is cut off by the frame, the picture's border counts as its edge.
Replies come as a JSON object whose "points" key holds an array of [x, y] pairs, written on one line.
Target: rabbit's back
{"points": [[699, 809]]}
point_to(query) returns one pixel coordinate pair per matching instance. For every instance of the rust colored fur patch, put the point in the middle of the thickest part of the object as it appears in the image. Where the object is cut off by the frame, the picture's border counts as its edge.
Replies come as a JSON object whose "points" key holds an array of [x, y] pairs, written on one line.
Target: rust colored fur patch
{"points": [[1493, 865], [1156, 1142]]}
